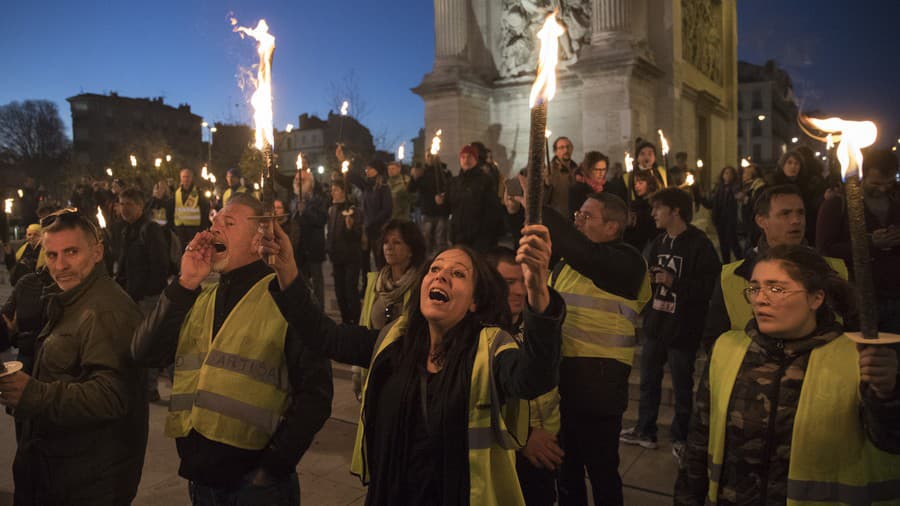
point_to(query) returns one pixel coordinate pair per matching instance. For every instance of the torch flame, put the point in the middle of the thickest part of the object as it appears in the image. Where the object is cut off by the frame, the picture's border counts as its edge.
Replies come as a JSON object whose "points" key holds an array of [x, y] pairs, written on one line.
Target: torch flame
{"points": [[690, 180], [829, 141], [851, 137], [547, 133], [663, 142], [544, 87], [100, 219], [157, 162], [745, 163], [204, 173], [629, 162], [401, 152], [436, 142], [109, 172], [262, 97], [7, 206], [699, 163], [133, 160], [212, 178], [344, 108], [299, 161], [345, 166]]}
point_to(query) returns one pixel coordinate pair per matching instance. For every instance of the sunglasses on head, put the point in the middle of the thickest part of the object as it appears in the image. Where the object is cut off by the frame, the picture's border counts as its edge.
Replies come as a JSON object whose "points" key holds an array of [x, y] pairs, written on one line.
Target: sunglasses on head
{"points": [[72, 216]]}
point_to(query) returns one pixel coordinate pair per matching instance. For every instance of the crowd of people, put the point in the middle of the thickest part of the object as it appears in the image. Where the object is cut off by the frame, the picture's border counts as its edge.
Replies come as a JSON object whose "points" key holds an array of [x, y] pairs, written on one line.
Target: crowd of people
{"points": [[491, 358]]}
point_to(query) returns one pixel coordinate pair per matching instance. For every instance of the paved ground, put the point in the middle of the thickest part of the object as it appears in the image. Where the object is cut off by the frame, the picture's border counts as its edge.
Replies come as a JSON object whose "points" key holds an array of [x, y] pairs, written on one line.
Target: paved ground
{"points": [[324, 477]]}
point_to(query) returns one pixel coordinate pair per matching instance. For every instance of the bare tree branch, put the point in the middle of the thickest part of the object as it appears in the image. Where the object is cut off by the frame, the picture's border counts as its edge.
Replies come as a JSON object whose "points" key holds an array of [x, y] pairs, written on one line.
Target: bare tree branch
{"points": [[348, 89]]}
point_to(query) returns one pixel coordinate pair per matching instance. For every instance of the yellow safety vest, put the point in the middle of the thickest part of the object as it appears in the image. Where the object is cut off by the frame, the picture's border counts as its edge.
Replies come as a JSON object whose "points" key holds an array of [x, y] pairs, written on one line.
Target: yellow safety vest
{"points": [[232, 389], [663, 173], [187, 213], [598, 323], [159, 216], [41, 259], [739, 311], [544, 409], [832, 461], [227, 194], [494, 432]]}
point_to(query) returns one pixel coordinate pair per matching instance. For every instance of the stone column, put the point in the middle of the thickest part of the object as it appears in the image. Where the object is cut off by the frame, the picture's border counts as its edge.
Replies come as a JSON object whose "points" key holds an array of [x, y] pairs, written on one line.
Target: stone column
{"points": [[610, 21], [450, 31]]}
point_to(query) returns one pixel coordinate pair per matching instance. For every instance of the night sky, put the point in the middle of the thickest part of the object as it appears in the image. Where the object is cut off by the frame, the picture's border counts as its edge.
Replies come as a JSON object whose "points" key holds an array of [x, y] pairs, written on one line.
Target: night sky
{"points": [[842, 63]]}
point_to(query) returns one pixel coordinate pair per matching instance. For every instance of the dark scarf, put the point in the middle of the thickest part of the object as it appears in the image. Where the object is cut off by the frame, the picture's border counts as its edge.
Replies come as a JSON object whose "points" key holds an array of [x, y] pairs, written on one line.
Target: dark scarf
{"points": [[447, 418]]}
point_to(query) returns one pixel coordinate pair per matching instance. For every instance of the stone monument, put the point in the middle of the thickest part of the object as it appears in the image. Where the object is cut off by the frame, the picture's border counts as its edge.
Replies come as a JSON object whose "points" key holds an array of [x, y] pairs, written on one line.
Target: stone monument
{"points": [[627, 68]]}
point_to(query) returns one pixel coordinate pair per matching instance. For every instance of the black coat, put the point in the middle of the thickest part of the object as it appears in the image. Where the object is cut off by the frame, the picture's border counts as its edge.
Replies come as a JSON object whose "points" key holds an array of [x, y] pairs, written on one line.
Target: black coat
{"points": [[143, 259], [432, 182], [343, 244], [308, 221], [476, 217]]}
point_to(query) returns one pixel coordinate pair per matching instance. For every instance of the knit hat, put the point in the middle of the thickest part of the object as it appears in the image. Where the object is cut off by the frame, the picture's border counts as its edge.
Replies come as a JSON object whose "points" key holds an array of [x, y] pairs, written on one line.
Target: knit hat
{"points": [[468, 149], [644, 144]]}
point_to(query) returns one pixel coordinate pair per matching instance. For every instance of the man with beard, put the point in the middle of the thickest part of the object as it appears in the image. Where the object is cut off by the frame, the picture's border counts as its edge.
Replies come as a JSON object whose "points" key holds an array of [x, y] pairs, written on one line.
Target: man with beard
{"points": [[247, 397]]}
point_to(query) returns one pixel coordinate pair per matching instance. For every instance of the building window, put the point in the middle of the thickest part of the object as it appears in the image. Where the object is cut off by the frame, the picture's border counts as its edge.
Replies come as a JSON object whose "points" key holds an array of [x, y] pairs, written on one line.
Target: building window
{"points": [[757, 99], [80, 106], [757, 129], [757, 152], [740, 101]]}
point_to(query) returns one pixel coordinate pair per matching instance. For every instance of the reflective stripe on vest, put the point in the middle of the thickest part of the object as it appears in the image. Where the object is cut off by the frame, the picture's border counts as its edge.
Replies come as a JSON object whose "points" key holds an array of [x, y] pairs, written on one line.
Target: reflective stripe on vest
{"points": [[187, 213], [739, 311], [494, 431], [234, 389], [228, 192], [159, 216], [830, 463], [598, 323]]}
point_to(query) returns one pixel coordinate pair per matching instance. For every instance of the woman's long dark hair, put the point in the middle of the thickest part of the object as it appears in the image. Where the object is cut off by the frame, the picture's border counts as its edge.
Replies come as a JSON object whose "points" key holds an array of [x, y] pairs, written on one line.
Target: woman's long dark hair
{"points": [[491, 309], [807, 267]]}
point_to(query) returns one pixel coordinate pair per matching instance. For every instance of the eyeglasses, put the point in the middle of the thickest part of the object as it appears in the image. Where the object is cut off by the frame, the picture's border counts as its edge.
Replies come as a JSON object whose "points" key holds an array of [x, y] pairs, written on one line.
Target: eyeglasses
{"points": [[578, 215], [72, 216], [774, 294]]}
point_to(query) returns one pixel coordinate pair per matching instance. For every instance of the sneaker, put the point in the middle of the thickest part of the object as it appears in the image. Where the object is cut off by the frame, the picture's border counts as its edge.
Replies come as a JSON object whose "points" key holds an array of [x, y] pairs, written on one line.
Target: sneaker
{"points": [[678, 450], [633, 437]]}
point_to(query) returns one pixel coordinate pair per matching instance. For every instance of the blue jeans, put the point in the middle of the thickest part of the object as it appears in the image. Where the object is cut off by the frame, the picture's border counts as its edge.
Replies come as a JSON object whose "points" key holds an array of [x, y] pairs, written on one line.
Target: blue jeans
{"points": [[654, 356], [281, 493]]}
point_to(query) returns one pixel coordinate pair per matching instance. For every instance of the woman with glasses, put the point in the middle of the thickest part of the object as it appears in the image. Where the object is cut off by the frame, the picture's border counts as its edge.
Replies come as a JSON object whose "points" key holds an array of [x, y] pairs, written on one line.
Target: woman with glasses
{"points": [[590, 178], [791, 410], [442, 409], [387, 290]]}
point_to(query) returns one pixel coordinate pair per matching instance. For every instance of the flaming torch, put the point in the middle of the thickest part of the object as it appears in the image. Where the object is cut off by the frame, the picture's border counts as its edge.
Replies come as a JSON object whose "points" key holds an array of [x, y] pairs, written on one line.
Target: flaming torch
{"points": [[299, 162], [852, 136], [344, 108], [100, 219], [262, 115], [542, 92], [401, 152], [345, 166], [664, 143]]}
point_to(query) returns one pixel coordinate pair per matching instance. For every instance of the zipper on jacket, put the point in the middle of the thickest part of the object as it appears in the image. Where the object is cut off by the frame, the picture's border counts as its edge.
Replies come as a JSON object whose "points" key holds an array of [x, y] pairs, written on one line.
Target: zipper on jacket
{"points": [[770, 431]]}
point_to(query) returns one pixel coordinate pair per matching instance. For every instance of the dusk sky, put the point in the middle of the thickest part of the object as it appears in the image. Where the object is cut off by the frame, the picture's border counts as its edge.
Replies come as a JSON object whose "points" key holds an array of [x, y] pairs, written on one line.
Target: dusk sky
{"points": [[841, 62]]}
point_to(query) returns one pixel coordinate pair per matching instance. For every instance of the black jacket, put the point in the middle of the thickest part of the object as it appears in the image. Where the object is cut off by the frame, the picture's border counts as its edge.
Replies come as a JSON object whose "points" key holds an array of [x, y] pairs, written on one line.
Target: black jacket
{"points": [[26, 305], [676, 315], [343, 244], [433, 181], [476, 214], [216, 464], [524, 373], [308, 219], [144, 259]]}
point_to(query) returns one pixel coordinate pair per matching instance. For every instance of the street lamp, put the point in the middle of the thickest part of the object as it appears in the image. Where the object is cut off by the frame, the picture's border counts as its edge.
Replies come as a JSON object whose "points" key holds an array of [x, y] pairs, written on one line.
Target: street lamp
{"points": [[794, 140], [761, 117]]}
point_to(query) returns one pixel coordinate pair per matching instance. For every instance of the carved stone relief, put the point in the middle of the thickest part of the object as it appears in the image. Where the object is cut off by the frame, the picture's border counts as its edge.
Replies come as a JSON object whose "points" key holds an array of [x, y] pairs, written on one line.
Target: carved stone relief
{"points": [[520, 22], [701, 37]]}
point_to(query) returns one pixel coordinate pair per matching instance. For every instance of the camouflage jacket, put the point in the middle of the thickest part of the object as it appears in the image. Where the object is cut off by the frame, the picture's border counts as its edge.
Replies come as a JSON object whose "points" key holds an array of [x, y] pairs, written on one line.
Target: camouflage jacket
{"points": [[761, 420]]}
